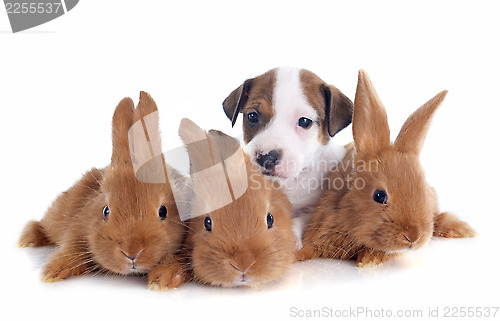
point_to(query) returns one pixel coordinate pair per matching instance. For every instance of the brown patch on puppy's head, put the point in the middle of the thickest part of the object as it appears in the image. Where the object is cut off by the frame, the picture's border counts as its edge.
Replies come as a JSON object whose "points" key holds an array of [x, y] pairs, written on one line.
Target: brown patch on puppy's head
{"points": [[255, 95], [289, 114], [333, 107]]}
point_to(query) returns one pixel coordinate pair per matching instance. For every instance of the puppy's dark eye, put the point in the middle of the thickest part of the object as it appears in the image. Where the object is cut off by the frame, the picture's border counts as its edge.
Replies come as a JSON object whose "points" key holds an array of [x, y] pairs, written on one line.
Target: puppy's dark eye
{"points": [[162, 212], [208, 223], [305, 123], [253, 117], [270, 220], [380, 197], [105, 212]]}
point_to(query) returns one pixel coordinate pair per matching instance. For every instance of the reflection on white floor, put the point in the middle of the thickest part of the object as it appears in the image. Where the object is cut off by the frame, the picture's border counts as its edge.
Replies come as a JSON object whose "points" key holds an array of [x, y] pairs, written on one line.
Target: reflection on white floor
{"points": [[443, 273], [438, 255]]}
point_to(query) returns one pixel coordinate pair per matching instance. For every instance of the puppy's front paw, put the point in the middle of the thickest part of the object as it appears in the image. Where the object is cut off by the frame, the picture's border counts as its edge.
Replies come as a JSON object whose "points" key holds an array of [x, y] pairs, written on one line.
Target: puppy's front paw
{"points": [[298, 244], [166, 276]]}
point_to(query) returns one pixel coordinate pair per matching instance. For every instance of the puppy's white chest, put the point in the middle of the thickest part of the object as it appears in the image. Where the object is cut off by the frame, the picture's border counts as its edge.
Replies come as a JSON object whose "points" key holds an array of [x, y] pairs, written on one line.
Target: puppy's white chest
{"points": [[305, 190]]}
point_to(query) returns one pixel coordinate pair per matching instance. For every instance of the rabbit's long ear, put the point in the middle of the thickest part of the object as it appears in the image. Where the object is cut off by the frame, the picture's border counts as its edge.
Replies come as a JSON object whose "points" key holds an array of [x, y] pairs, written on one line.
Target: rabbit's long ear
{"points": [[206, 149], [146, 106], [412, 135], [147, 117], [218, 169], [122, 121], [223, 146], [145, 142], [369, 125], [197, 145]]}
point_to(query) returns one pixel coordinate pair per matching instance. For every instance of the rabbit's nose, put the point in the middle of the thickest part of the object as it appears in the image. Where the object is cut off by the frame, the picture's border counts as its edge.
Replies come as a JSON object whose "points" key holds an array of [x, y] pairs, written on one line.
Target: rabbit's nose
{"points": [[242, 262], [412, 235], [132, 257]]}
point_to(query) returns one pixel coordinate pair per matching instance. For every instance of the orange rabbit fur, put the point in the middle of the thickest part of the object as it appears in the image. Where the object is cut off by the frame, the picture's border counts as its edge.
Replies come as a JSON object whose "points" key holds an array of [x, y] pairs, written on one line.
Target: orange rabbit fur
{"points": [[394, 210], [109, 221], [249, 241]]}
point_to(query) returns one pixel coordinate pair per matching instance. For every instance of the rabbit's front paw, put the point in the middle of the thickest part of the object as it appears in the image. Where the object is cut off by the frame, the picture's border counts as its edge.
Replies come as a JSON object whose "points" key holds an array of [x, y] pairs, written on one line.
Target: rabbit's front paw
{"points": [[62, 265], [447, 225], [166, 276], [368, 258], [55, 271], [305, 253], [33, 236]]}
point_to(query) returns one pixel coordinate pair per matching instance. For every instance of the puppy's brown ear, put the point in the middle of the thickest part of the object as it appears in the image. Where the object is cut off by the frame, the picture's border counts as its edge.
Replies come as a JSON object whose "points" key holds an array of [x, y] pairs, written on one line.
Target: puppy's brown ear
{"points": [[338, 109], [236, 100]]}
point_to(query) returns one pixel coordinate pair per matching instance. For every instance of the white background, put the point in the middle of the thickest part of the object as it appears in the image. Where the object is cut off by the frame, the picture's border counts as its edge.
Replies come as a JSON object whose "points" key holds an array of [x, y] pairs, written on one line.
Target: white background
{"points": [[60, 82]]}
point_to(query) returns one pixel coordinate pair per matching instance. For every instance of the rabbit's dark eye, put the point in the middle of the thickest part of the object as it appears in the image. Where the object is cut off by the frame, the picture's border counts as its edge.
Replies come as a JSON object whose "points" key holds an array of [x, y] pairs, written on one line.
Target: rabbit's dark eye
{"points": [[380, 197], [162, 212], [105, 212], [304, 122], [270, 220], [208, 223], [253, 117]]}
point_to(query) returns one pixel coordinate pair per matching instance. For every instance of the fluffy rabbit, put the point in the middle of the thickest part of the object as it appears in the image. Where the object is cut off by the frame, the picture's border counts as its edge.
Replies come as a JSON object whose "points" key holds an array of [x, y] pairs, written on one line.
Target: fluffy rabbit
{"points": [[378, 203], [240, 231], [109, 221]]}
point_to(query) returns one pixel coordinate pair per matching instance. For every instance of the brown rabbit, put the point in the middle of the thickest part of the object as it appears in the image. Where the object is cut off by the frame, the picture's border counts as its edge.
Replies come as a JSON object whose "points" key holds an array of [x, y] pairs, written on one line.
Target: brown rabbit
{"points": [[237, 236], [109, 220], [378, 203]]}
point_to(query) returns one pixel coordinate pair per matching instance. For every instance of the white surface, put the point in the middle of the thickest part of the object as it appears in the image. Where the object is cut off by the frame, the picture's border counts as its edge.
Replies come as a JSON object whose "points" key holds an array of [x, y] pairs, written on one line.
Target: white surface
{"points": [[60, 82]]}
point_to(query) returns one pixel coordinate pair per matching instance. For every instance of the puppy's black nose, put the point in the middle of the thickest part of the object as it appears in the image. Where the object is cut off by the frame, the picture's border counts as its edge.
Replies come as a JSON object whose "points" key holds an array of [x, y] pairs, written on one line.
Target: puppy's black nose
{"points": [[269, 160]]}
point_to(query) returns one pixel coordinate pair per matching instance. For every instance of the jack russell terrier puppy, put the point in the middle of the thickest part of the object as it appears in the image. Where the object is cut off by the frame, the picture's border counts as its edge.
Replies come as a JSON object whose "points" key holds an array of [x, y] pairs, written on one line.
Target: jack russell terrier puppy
{"points": [[289, 118]]}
